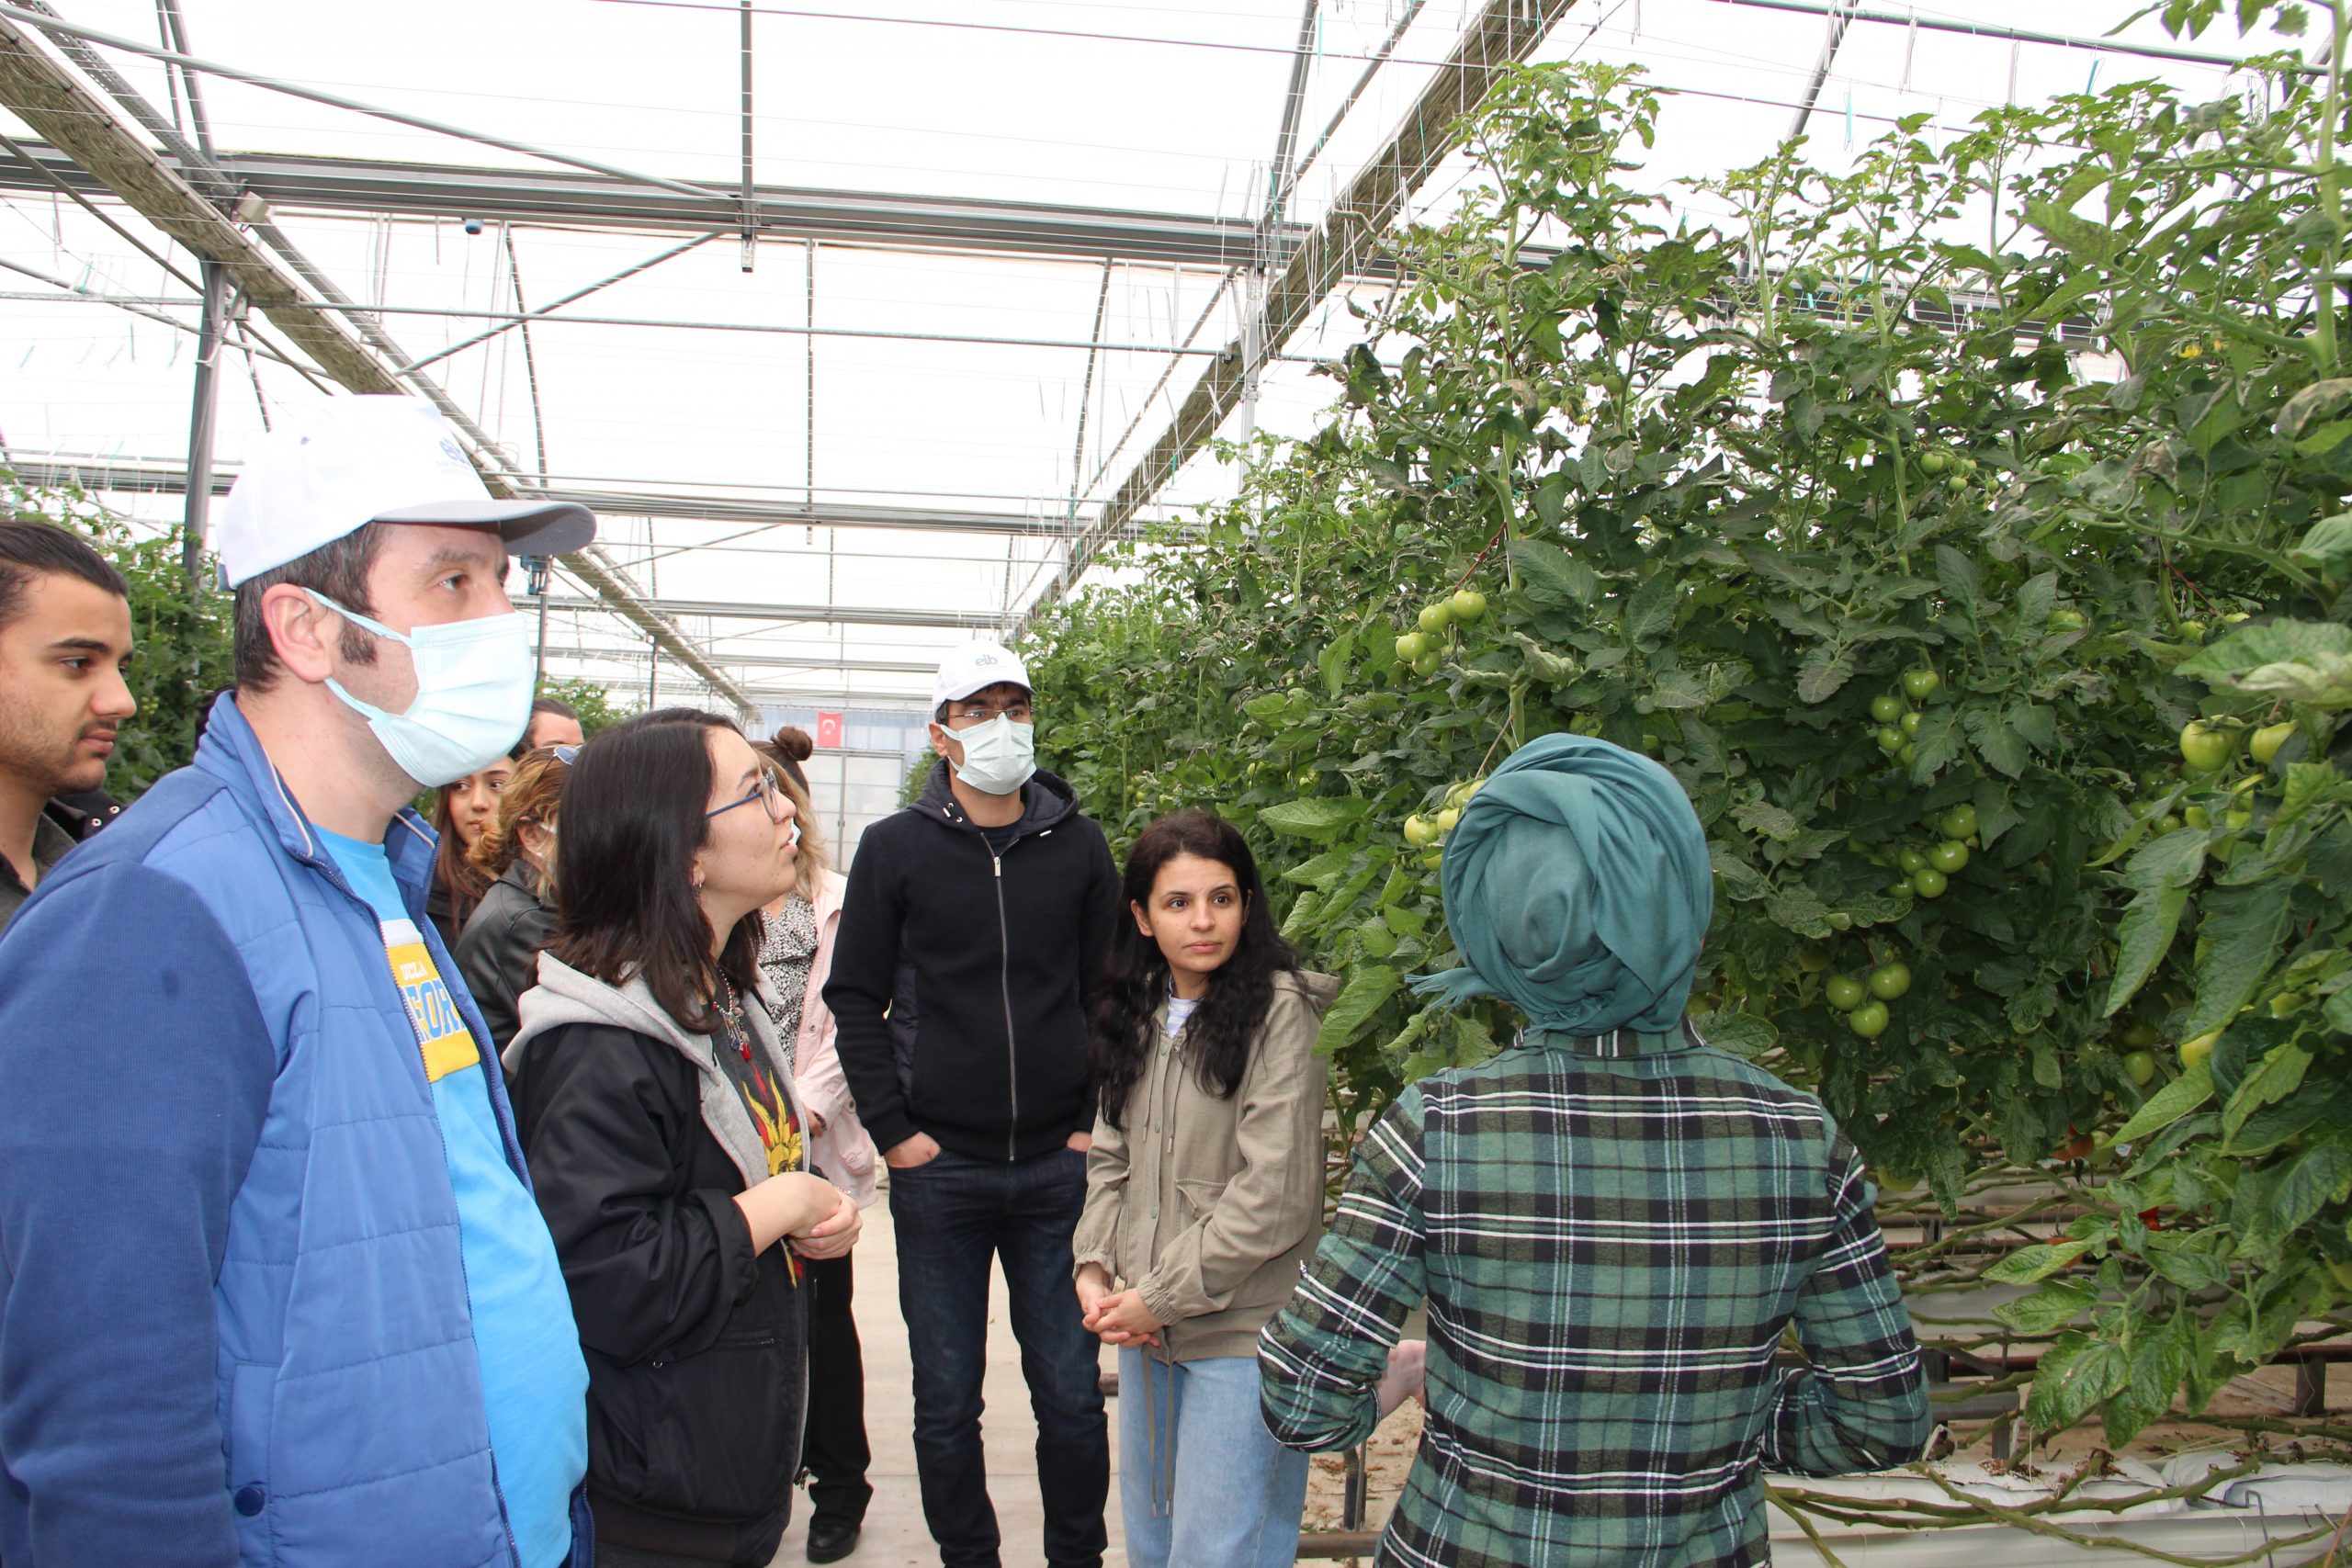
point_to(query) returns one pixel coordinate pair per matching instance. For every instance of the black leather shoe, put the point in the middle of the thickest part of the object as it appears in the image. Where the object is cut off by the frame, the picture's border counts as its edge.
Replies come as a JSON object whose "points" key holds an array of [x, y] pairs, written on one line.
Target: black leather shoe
{"points": [[830, 1541]]}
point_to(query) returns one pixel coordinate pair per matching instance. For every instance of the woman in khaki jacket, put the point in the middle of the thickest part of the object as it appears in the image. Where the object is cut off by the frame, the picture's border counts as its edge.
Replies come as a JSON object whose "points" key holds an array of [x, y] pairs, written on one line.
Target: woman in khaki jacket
{"points": [[1204, 1194]]}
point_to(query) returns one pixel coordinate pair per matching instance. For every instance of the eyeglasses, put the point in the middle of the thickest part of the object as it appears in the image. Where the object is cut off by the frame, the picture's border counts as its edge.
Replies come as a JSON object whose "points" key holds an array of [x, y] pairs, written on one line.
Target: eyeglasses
{"points": [[567, 755], [978, 713], [765, 790]]}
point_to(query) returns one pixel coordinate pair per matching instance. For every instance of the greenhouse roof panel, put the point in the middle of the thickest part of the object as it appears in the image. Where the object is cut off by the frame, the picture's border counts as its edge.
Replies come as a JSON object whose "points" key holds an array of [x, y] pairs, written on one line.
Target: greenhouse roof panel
{"points": [[1002, 249]]}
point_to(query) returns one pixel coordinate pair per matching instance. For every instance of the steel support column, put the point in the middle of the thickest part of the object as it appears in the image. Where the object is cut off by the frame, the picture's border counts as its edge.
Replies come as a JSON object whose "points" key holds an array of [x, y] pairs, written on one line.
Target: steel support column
{"points": [[205, 402]]}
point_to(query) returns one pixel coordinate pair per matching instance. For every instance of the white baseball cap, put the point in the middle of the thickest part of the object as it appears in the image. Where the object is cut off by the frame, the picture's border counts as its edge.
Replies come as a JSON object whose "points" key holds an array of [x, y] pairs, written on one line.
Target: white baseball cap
{"points": [[354, 461], [975, 667]]}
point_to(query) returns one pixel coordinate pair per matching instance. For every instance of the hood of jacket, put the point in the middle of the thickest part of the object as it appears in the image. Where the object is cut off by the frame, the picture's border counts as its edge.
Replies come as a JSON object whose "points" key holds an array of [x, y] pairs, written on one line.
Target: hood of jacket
{"points": [[1046, 800], [1316, 987], [565, 996]]}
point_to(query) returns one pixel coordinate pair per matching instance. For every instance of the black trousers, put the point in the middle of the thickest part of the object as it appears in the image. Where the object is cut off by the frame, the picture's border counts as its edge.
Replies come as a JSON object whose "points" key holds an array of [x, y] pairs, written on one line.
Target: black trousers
{"points": [[834, 1454]]}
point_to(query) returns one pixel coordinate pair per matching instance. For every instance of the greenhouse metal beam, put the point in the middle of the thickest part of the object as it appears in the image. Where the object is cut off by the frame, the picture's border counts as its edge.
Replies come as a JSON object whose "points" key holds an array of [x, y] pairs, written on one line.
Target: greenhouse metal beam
{"points": [[832, 614], [64, 113], [820, 663], [550, 199], [166, 476], [1504, 33], [2003, 34]]}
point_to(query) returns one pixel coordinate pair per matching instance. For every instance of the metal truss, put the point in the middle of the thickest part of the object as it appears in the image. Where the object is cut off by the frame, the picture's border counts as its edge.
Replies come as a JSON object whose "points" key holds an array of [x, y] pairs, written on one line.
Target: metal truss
{"points": [[788, 614], [162, 476], [565, 199]]}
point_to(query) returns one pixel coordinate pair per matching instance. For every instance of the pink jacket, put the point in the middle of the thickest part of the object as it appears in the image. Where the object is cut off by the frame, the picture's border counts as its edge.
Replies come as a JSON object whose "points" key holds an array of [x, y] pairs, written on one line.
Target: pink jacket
{"points": [[843, 1151]]}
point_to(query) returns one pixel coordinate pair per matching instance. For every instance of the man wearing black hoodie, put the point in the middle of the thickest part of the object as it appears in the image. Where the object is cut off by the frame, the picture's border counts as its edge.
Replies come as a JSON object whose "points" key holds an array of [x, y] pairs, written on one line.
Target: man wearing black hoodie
{"points": [[974, 921]]}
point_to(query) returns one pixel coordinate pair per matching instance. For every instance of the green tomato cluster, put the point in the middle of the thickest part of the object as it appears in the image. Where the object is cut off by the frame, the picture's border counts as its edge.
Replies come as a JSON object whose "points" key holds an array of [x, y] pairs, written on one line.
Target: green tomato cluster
{"points": [[1895, 716], [1422, 650], [1429, 832], [1864, 999], [1927, 873]]}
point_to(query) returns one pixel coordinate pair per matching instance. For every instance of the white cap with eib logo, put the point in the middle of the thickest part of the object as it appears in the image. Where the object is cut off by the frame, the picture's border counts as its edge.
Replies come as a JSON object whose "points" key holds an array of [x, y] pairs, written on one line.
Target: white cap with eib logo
{"points": [[351, 461], [975, 667]]}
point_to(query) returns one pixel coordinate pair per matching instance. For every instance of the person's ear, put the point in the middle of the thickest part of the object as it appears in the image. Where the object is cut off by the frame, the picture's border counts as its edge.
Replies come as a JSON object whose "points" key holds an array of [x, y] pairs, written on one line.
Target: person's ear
{"points": [[302, 632], [944, 742], [1143, 920], [696, 882]]}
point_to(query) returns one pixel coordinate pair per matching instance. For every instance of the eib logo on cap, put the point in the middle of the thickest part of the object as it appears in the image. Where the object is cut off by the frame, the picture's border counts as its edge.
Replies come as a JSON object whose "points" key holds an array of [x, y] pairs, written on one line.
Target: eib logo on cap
{"points": [[976, 665]]}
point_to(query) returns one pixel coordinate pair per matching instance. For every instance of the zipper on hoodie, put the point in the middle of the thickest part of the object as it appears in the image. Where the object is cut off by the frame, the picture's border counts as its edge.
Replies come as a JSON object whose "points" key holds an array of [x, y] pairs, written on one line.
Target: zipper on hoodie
{"points": [[1004, 987]]}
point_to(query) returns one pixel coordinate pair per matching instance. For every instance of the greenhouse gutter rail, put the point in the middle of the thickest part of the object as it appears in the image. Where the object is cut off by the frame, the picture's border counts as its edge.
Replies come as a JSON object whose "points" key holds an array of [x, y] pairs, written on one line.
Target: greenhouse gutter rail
{"points": [[440, 192]]}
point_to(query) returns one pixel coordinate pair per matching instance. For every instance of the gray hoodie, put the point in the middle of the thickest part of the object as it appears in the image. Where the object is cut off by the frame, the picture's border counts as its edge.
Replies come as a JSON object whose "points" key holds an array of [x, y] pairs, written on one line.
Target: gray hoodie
{"points": [[566, 996]]}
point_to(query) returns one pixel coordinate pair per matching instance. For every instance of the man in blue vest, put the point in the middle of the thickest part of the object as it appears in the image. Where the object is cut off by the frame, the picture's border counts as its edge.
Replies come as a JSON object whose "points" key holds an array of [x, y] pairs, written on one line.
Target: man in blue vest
{"points": [[273, 1287]]}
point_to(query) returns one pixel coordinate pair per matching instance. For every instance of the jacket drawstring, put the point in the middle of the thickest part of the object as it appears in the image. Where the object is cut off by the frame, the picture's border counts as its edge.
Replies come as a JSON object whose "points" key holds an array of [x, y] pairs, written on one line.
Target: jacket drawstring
{"points": [[1160, 1449]]}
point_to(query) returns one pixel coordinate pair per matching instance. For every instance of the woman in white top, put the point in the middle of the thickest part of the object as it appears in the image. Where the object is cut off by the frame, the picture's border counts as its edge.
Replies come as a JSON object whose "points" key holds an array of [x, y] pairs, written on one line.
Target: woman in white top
{"points": [[797, 959]]}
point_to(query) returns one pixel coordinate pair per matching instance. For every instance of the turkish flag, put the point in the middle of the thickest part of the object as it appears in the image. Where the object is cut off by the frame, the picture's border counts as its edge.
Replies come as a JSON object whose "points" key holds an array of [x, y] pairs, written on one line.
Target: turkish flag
{"points": [[829, 731]]}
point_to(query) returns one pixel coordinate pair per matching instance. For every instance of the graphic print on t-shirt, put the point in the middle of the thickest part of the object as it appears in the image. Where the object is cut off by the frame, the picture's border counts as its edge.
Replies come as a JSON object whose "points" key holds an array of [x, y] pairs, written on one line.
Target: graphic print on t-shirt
{"points": [[779, 1129], [771, 1111], [441, 1031]]}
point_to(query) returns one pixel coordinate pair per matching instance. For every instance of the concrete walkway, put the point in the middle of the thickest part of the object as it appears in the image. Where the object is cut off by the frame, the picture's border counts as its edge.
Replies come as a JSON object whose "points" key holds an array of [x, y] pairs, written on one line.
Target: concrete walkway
{"points": [[895, 1536]]}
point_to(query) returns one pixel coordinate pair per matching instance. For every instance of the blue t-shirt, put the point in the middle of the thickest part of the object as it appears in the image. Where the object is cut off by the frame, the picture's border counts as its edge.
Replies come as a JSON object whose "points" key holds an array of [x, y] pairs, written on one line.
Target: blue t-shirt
{"points": [[534, 1383]]}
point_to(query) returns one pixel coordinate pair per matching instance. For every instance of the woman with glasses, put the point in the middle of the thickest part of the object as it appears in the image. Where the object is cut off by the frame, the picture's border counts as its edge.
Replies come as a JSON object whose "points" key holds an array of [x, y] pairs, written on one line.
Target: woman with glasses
{"points": [[652, 1097], [498, 951], [797, 959]]}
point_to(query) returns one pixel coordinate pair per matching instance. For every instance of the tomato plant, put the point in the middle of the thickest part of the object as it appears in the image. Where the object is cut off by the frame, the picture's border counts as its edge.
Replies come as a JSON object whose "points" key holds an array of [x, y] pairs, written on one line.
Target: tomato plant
{"points": [[1704, 481]]}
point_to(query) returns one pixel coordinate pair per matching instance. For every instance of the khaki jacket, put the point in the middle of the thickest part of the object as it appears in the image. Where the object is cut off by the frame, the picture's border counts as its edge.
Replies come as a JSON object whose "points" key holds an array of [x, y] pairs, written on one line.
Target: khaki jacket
{"points": [[1209, 1206]]}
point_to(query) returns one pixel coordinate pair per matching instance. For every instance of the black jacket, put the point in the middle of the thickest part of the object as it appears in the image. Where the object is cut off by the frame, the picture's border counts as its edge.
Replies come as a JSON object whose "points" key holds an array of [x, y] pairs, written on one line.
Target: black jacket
{"points": [[982, 966], [498, 952], [697, 1347]]}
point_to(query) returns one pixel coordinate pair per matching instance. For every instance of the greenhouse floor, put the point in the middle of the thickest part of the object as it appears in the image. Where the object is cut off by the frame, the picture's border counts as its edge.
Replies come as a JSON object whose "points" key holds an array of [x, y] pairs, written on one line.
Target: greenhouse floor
{"points": [[895, 1536]]}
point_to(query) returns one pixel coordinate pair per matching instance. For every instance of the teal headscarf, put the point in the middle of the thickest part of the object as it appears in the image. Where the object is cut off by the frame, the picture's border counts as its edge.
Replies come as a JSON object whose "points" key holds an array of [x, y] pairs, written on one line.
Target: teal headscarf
{"points": [[1579, 890]]}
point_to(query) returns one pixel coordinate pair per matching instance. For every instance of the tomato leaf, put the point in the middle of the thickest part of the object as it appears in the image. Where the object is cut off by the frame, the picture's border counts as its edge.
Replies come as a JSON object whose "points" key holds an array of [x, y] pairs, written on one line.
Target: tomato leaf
{"points": [[2328, 544], [1826, 668], [2035, 601], [1322, 871], [2057, 1303], [2160, 872], [2239, 930], [1649, 614], [1741, 881], [1962, 582], [2321, 1175], [1367, 988], [2320, 398], [1552, 576], [2168, 1104], [1319, 818], [2279, 1075], [2072, 1380], [2306, 661], [2033, 1262], [1938, 742], [2190, 1270]]}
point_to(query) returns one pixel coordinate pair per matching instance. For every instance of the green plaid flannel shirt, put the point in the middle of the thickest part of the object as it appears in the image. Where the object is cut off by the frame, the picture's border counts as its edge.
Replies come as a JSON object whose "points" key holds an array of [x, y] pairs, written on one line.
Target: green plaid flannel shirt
{"points": [[1610, 1235]]}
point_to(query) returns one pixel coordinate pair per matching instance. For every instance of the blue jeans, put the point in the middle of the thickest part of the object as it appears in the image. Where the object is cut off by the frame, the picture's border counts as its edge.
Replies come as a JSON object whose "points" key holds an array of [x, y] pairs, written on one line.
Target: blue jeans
{"points": [[950, 1216], [1237, 1494]]}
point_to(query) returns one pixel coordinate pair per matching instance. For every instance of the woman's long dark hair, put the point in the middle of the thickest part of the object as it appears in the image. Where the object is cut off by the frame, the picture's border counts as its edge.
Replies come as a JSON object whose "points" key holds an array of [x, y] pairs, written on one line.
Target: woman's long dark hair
{"points": [[1135, 976], [466, 884], [632, 822]]}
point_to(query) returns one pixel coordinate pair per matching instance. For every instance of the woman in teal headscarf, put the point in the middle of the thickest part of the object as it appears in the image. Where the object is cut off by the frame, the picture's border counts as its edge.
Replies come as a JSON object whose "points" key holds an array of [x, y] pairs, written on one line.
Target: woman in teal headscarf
{"points": [[1609, 1223]]}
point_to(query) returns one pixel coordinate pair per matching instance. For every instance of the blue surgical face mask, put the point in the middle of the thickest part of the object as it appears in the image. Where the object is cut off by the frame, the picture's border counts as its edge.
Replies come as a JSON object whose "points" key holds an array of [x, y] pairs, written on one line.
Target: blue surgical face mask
{"points": [[999, 756], [473, 694]]}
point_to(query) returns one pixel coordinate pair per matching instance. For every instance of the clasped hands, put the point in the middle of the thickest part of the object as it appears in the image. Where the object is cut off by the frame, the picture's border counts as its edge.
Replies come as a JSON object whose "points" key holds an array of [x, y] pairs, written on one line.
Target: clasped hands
{"points": [[1115, 1317]]}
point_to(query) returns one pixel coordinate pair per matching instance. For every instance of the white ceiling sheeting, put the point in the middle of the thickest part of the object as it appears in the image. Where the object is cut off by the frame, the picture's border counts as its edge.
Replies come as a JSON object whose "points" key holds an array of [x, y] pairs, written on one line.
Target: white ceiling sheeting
{"points": [[945, 423]]}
